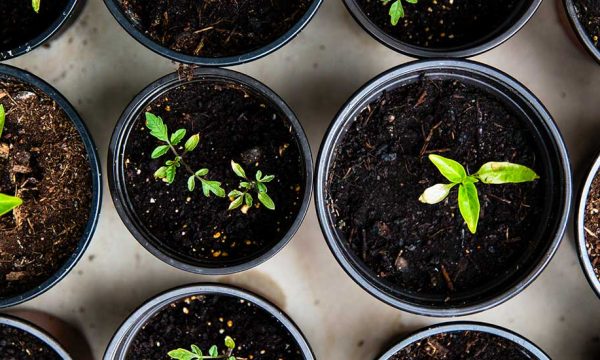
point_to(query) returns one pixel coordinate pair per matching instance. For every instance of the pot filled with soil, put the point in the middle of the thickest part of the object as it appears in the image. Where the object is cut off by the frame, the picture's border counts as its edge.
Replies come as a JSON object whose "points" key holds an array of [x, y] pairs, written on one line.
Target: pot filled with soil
{"points": [[465, 340], [446, 28], [443, 187], [20, 339], [50, 186], [213, 33], [27, 24], [208, 321], [587, 226], [212, 173], [584, 17]]}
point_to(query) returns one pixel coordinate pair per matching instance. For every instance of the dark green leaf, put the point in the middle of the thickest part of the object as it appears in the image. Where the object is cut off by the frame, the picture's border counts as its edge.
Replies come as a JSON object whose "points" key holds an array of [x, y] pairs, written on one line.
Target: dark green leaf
{"points": [[177, 136], [8, 203], [468, 203], [261, 188], [451, 170], [238, 170], [160, 151], [2, 119], [191, 183], [248, 199], [192, 142], [266, 200], [157, 127], [213, 351], [505, 173]]}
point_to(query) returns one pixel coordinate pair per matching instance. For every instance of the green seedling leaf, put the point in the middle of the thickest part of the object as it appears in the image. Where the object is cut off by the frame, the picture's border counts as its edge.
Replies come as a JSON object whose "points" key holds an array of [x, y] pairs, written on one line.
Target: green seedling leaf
{"points": [[229, 343], [396, 12], [258, 175], [246, 185], [157, 127], [201, 172], [161, 173], [8, 203], [209, 186], [160, 151], [267, 179], [213, 351], [451, 169], [468, 203], [182, 354], [196, 350], [504, 173], [261, 188], [248, 199], [192, 143], [191, 183], [2, 119], [266, 200], [436, 193], [236, 203], [177, 136], [238, 170], [170, 174], [35, 4]]}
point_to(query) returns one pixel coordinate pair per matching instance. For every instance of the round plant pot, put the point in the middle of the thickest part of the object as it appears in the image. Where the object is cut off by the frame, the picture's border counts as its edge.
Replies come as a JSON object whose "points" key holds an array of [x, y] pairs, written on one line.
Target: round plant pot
{"points": [[546, 234], [125, 21], [580, 31], [580, 230], [36, 333], [126, 334], [507, 336], [119, 161], [21, 76], [56, 24], [470, 47]]}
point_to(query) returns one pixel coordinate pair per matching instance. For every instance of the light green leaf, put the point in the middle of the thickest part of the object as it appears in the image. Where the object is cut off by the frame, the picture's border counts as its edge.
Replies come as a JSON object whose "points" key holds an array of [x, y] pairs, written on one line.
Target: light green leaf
{"points": [[209, 186], [258, 175], [505, 173], [161, 173], [177, 136], [268, 178], [231, 358], [396, 12], [2, 119], [8, 203], [238, 170], [182, 354], [229, 343], [266, 200], [213, 351], [191, 183], [192, 142], [246, 185], [157, 127], [170, 174], [261, 188], [235, 193], [436, 193], [35, 4], [160, 151], [449, 168], [201, 172], [196, 350], [248, 199], [236, 203], [468, 203]]}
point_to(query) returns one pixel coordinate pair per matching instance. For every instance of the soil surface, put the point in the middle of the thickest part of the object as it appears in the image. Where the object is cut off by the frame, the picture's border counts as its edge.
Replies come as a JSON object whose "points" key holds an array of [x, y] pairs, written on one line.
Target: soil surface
{"points": [[592, 225], [588, 14], [44, 162], [19, 23], [234, 124], [381, 168], [16, 344], [214, 28], [444, 24], [206, 320], [464, 345]]}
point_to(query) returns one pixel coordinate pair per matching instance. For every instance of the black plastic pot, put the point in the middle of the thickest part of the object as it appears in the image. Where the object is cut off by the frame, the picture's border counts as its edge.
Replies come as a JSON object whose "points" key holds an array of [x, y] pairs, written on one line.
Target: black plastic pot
{"points": [[125, 22], [7, 71], [557, 189], [579, 223], [580, 31], [118, 346], [509, 28], [117, 184], [66, 18], [466, 326], [36, 332]]}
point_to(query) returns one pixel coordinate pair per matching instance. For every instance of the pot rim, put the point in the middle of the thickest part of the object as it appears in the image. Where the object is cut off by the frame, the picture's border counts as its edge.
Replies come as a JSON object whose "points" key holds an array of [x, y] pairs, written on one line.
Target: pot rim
{"points": [[119, 344], [95, 174], [467, 326], [390, 78], [581, 33], [458, 52], [36, 332], [117, 183], [164, 51]]}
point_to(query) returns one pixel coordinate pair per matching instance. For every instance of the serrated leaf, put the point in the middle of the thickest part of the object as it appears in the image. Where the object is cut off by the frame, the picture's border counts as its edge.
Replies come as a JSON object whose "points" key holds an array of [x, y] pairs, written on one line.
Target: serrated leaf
{"points": [[210, 186], [36, 4], [192, 143], [238, 170], [229, 343], [436, 193], [8, 203], [191, 183], [161, 173], [449, 168], [468, 203], [266, 200], [182, 354], [248, 199], [2, 119], [213, 351], [160, 151], [170, 174], [157, 127], [177, 136], [201, 172], [236, 203], [396, 12], [196, 350], [505, 173], [267, 179]]}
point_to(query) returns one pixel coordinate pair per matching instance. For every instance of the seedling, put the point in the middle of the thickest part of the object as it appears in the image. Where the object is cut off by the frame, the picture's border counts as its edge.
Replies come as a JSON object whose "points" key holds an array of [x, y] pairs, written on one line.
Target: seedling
{"points": [[7, 202], [167, 173], [35, 4], [247, 186], [468, 199], [213, 352], [397, 10]]}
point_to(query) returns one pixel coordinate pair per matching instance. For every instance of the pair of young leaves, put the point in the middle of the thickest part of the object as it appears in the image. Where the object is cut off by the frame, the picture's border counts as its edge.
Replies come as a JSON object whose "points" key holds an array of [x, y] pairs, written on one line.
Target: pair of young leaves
{"points": [[213, 352], [7, 202], [468, 198], [397, 9]]}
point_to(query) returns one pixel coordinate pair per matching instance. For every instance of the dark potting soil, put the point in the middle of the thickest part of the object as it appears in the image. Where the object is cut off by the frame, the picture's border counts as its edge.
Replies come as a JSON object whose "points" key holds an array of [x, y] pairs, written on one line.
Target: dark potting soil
{"points": [[20, 24], [588, 14], [206, 320], [592, 225], [443, 24], [236, 124], [44, 162], [462, 345], [214, 28], [381, 168], [16, 344]]}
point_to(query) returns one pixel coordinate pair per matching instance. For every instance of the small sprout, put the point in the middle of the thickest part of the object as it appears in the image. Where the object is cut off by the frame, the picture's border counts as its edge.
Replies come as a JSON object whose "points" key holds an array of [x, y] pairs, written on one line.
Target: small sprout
{"points": [[213, 352], [35, 4], [2, 119], [397, 10], [468, 199], [244, 196], [8, 203]]}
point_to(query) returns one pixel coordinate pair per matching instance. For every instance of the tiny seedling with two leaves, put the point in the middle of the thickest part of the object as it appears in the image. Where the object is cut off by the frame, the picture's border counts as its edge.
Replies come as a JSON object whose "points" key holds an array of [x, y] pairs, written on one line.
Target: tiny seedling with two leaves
{"points": [[397, 9], [7, 202], [247, 186], [213, 352], [468, 198]]}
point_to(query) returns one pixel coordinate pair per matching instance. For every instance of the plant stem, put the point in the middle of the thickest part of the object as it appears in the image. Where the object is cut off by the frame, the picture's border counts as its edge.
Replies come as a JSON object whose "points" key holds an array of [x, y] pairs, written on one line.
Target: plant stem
{"points": [[187, 168]]}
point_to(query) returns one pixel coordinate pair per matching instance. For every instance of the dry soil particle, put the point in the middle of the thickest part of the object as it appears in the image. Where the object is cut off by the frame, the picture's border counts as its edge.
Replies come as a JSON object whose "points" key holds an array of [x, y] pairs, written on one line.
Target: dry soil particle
{"points": [[205, 320], [381, 167], [214, 28], [443, 24], [592, 225], [463, 345], [43, 161], [588, 14], [16, 344]]}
